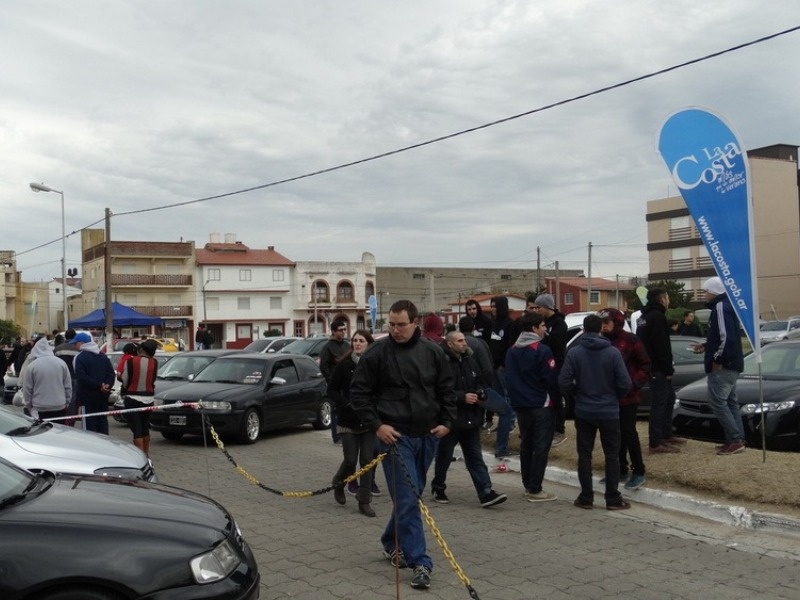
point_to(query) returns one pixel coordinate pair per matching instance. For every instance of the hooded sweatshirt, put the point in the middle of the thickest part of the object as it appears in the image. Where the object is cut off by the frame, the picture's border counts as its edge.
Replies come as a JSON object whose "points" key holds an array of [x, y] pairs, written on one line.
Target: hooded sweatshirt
{"points": [[596, 376], [500, 339], [653, 329], [433, 328], [46, 382], [92, 369], [530, 373]]}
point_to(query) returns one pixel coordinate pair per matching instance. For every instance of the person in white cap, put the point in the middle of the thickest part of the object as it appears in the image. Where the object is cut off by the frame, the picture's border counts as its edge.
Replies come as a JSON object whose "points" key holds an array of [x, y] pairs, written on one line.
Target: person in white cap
{"points": [[724, 360]]}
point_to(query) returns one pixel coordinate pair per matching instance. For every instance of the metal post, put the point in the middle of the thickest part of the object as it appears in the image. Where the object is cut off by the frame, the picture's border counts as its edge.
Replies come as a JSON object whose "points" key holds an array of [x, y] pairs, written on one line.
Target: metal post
{"points": [[107, 276]]}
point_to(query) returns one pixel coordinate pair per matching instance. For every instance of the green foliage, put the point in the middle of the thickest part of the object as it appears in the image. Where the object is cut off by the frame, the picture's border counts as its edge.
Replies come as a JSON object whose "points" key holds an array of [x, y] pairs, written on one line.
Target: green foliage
{"points": [[273, 333], [9, 331], [678, 299]]}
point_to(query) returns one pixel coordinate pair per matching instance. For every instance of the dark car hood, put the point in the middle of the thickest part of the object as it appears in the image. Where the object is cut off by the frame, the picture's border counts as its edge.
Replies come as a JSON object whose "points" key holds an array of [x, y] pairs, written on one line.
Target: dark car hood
{"points": [[124, 508], [196, 391], [747, 390]]}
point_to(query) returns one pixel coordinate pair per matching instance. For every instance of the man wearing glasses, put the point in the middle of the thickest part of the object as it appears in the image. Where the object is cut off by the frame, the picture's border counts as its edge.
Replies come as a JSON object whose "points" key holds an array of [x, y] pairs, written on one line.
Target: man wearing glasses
{"points": [[330, 354], [403, 389]]}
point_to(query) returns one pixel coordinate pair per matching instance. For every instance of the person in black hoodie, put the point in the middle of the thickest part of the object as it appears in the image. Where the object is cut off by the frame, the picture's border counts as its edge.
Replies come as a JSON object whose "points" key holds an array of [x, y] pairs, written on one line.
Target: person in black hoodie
{"points": [[556, 340], [469, 386], [499, 343], [483, 324], [653, 329]]}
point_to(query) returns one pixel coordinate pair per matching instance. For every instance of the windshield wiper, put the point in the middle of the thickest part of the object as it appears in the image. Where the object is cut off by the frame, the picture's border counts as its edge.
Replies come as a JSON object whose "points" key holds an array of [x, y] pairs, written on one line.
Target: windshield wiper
{"points": [[170, 377], [226, 381], [19, 497], [24, 430]]}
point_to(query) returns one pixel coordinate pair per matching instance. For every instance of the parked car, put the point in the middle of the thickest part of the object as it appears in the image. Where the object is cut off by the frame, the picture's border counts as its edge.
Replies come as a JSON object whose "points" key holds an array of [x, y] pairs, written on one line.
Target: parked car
{"points": [[688, 368], [99, 538], [35, 445], [310, 346], [175, 369], [270, 344], [776, 331], [780, 381], [245, 395], [164, 344]]}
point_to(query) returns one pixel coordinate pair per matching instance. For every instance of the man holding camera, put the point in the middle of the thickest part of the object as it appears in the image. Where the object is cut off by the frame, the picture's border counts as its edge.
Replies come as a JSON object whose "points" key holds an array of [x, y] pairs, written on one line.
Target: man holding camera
{"points": [[470, 392]]}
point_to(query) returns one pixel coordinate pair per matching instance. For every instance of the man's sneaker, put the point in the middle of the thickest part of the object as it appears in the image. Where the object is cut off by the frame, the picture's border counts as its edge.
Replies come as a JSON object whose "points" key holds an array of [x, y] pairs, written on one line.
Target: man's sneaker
{"points": [[376, 491], [618, 505], [663, 449], [493, 498], [635, 482], [352, 487], [732, 448], [558, 439], [422, 578], [396, 557], [539, 496], [674, 440], [586, 505], [440, 497]]}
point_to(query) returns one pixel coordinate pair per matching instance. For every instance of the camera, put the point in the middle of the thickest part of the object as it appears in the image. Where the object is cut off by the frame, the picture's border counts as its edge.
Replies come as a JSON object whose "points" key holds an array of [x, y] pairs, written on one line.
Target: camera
{"points": [[481, 395]]}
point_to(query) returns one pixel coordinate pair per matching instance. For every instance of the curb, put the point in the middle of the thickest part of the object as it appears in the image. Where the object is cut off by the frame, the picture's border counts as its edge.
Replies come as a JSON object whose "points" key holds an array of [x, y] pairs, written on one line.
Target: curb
{"points": [[736, 516]]}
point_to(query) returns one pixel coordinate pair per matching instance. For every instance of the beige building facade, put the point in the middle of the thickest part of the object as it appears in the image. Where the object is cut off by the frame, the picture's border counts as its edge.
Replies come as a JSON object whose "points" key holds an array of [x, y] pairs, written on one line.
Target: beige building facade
{"points": [[676, 251]]}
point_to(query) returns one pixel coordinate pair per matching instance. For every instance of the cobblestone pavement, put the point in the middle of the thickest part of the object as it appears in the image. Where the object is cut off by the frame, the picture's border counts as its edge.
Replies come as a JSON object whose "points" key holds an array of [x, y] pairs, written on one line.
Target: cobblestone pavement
{"points": [[314, 549]]}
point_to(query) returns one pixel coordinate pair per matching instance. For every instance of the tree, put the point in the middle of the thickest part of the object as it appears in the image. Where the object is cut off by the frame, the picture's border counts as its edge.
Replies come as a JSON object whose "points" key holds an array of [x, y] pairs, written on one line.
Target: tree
{"points": [[9, 331], [678, 299]]}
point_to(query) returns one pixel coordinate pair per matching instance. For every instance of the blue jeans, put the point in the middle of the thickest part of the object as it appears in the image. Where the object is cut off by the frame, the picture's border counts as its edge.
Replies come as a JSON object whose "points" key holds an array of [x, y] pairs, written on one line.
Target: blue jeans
{"points": [[662, 402], [586, 430], [404, 529], [536, 426], [505, 420], [724, 405], [470, 441]]}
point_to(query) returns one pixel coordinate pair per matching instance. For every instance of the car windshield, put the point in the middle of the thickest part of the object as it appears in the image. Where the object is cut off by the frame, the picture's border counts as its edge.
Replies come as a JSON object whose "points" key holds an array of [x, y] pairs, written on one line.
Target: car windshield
{"points": [[245, 371], [683, 353], [778, 361], [300, 346], [257, 346], [12, 481], [775, 326], [10, 421], [182, 366]]}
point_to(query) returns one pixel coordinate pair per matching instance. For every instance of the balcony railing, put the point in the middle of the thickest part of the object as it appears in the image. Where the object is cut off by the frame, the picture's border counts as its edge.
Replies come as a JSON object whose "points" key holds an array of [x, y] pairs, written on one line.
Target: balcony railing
{"points": [[704, 262], [681, 264], [681, 233], [121, 280], [167, 312]]}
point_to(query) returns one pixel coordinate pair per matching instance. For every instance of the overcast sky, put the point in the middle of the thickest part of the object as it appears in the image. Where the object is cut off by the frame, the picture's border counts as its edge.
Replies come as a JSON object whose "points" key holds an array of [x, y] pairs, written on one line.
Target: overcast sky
{"points": [[134, 105]]}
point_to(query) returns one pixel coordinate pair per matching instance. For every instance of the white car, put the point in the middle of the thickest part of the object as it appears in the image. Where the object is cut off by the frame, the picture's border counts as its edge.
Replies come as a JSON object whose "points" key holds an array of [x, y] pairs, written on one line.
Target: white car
{"points": [[35, 446], [775, 331]]}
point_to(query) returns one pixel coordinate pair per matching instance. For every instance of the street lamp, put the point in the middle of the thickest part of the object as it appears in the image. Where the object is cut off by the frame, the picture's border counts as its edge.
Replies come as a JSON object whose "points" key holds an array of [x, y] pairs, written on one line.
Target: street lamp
{"points": [[40, 187]]}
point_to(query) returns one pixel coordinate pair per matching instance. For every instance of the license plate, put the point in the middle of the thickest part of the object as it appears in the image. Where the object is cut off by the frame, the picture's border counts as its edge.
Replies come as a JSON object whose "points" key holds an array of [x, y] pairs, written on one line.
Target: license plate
{"points": [[177, 420]]}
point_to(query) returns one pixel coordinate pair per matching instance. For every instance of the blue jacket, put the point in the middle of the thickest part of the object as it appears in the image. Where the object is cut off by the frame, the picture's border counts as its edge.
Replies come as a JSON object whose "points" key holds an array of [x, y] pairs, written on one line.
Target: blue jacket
{"points": [[530, 372], [92, 369], [595, 374], [723, 342]]}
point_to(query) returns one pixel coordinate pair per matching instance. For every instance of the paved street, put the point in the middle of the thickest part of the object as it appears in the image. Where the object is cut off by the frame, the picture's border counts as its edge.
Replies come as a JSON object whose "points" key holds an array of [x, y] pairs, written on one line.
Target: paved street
{"points": [[314, 549]]}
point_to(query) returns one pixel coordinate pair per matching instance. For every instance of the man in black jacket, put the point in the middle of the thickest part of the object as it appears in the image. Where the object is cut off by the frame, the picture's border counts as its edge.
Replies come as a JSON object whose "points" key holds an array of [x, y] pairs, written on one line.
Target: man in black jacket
{"points": [[653, 329], [403, 389], [469, 386], [330, 354], [556, 340]]}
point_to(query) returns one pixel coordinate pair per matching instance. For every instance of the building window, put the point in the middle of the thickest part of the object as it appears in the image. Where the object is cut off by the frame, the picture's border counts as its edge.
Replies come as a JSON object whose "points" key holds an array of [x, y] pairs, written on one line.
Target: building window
{"points": [[344, 293], [129, 299], [319, 291], [299, 328], [128, 268], [173, 299], [418, 276], [277, 274], [172, 269], [569, 299], [243, 302], [275, 302], [213, 275], [212, 303], [369, 290], [505, 276], [594, 297], [245, 275]]}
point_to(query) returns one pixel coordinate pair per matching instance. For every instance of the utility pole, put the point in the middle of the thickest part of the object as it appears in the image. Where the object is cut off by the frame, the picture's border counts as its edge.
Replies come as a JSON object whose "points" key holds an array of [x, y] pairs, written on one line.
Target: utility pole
{"points": [[589, 286], [107, 277], [558, 286], [433, 297], [538, 270]]}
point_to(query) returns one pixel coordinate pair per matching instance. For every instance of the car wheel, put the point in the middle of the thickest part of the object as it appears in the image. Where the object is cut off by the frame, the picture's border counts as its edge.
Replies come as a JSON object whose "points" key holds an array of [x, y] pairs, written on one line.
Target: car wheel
{"points": [[251, 426], [323, 415], [172, 436], [80, 594]]}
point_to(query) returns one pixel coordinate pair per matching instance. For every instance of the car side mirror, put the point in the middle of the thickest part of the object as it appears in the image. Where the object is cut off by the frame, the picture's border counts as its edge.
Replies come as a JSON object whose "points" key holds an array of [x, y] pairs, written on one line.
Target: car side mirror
{"points": [[277, 381], [190, 377]]}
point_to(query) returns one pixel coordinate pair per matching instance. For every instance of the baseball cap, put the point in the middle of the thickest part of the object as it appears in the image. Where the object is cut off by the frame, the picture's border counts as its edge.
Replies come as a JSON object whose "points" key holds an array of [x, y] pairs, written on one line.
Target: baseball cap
{"points": [[81, 338]]}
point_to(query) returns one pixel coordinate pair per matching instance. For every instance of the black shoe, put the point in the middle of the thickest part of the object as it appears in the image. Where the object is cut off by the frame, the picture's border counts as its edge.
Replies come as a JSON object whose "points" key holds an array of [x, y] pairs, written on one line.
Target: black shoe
{"points": [[583, 504], [338, 494], [493, 498], [422, 578], [440, 497], [618, 505]]}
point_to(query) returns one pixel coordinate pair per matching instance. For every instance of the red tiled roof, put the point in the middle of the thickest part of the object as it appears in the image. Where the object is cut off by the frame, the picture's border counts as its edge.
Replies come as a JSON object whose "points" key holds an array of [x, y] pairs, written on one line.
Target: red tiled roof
{"points": [[239, 254]]}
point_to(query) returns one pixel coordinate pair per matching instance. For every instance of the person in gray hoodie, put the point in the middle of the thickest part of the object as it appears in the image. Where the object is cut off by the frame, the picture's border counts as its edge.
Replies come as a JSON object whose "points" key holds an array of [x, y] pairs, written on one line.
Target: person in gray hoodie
{"points": [[595, 373], [46, 383]]}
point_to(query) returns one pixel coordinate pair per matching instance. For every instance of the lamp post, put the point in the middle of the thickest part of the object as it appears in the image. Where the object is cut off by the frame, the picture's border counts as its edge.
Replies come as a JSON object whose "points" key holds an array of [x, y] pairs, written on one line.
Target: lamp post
{"points": [[40, 187]]}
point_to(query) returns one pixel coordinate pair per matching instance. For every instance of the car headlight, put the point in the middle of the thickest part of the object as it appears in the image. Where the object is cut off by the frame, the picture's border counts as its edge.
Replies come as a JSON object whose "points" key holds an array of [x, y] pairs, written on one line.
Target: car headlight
{"points": [[215, 565], [753, 409], [215, 405], [121, 472]]}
